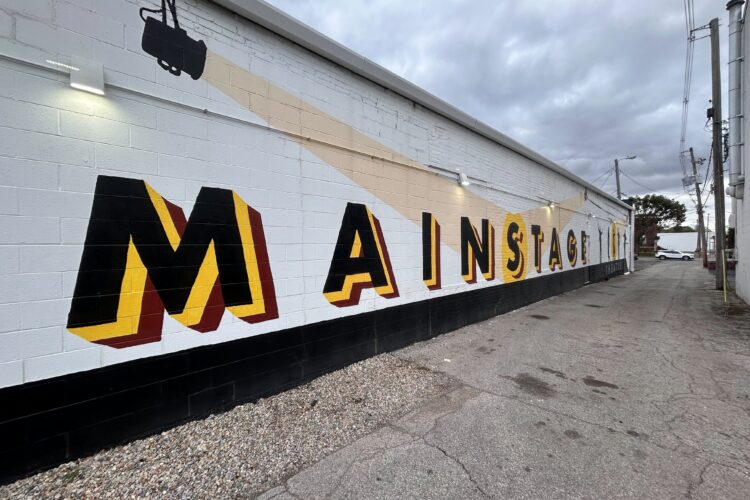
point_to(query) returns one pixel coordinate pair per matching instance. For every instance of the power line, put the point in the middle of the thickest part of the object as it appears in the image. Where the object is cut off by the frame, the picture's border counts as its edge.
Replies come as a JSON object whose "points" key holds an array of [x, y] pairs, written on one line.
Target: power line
{"points": [[607, 178], [635, 181], [687, 79], [602, 175]]}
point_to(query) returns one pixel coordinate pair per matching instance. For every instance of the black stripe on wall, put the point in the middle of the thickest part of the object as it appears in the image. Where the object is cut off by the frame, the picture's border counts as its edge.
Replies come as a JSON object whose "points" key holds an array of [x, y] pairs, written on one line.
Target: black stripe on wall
{"points": [[52, 421]]}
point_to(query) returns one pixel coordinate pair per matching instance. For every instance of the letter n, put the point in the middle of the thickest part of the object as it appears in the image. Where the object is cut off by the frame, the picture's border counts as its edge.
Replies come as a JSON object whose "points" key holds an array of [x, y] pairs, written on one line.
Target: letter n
{"points": [[142, 256], [360, 260], [430, 251], [474, 251]]}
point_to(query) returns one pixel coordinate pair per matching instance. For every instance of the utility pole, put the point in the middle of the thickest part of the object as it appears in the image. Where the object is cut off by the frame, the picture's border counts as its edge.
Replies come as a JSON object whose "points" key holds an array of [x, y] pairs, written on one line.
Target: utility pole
{"points": [[701, 230], [718, 153], [617, 178]]}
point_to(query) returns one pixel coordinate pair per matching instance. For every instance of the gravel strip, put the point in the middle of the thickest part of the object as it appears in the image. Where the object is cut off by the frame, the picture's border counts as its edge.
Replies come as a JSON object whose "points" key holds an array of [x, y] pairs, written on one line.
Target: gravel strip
{"points": [[250, 448]]}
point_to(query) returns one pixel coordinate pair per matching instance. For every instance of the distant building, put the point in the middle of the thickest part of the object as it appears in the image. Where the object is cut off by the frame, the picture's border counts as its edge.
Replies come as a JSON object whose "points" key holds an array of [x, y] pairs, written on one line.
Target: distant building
{"points": [[684, 242]]}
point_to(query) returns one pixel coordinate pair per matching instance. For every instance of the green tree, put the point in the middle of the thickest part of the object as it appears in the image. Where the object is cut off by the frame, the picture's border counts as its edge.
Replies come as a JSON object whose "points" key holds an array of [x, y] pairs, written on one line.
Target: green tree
{"points": [[677, 229], [653, 211]]}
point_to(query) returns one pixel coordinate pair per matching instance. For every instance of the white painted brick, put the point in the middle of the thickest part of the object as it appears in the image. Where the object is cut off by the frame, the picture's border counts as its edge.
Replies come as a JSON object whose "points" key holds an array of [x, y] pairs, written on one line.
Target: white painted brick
{"points": [[172, 189], [8, 201], [11, 373], [138, 65], [125, 159], [6, 24], [30, 343], [73, 231], [188, 168], [181, 123], [46, 90], [45, 147], [10, 317], [54, 203], [54, 141], [9, 259], [53, 40], [95, 129], [50, 258], [72, 342], [126, 110], [124, 12], [78, 179], [69, 283], [112, 356], [28, 173], [232, 133], [90, 24], [28, 116], [41, 9], [53, 365], [159, 141], [16, 230], [25, 287], [45, 313]]}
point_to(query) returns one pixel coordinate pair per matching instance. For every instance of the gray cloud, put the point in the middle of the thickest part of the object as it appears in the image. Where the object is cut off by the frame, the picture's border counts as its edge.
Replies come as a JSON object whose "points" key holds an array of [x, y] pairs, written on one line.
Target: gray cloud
{"points": [[581, 81]]}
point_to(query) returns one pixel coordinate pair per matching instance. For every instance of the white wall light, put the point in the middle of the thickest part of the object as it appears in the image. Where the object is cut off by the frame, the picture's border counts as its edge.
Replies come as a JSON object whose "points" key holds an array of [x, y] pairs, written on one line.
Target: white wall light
{"points": [[551, 204], [463, 179], [87, 75]]}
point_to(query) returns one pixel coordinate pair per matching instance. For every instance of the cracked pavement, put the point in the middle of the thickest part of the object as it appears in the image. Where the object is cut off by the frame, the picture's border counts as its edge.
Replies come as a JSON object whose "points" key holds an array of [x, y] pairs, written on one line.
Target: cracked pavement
{"points": [[635, 387]]}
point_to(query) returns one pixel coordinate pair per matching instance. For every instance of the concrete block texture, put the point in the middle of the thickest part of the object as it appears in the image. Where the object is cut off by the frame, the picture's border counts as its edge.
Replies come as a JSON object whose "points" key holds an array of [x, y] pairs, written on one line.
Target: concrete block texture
{"points": [[293, 143]]}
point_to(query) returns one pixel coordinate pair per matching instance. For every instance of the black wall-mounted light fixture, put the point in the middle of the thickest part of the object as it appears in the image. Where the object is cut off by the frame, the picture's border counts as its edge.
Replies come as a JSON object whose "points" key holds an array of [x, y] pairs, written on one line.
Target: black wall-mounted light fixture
{"points": [[174, 50]]}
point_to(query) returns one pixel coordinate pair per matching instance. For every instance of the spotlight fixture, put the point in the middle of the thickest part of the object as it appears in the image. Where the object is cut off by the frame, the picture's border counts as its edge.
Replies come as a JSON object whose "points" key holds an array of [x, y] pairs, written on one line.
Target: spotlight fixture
{"points": [[551, 204], [86, 75], [463, 179]]}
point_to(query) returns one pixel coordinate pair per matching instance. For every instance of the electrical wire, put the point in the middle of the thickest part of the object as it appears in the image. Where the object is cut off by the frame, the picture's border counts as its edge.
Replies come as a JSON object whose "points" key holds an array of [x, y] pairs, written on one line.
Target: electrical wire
{"points": [[601, 175], [687, 79], [635, 181]]}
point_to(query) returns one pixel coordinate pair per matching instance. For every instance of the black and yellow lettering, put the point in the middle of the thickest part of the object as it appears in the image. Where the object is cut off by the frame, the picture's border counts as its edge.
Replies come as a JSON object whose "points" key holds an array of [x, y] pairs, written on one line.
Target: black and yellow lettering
{"points": [[572, 248], [538, 234], [514, 249], [475, 252], [141, 256], [584, 248], [431, 251], [554, 251], [614, 240], [360, 260]]}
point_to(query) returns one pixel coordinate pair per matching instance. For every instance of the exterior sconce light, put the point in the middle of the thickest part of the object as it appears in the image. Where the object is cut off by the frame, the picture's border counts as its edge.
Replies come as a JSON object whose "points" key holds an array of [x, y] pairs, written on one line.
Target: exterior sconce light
{"points": [[86, 75], [463, 179], [551, 204]]}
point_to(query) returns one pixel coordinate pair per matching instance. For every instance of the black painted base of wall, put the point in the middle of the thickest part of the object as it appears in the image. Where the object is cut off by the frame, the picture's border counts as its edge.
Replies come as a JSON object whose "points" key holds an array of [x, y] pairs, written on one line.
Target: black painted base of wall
{"points": [[49, 422]]}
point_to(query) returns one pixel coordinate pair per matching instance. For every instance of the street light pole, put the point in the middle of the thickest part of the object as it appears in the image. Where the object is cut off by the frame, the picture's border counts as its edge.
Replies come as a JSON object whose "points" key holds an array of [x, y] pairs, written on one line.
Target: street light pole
{"points": [[617, 173], [617, 178]]}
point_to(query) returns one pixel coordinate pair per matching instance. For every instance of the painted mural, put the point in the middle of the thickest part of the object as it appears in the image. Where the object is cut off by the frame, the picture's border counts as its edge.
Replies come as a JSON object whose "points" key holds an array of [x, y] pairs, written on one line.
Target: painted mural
{"points": [[143, 257]]}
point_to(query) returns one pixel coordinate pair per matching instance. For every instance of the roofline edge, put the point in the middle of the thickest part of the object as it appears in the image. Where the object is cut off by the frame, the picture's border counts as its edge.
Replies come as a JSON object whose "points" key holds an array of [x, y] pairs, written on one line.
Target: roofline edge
{"points": [[282, 24]]}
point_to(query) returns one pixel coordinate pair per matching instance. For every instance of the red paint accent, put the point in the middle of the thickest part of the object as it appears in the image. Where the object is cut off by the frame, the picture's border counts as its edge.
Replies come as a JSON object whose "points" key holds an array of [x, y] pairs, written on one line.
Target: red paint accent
{"points": [[149, 324], [264, 270], [178, 216], [213, 311], [386, 258], [357, 288]]}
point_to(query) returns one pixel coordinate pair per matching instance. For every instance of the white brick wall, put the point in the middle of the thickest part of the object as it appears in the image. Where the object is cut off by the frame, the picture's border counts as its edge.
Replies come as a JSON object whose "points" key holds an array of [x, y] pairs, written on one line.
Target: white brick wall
{"points": [[55, 141]]}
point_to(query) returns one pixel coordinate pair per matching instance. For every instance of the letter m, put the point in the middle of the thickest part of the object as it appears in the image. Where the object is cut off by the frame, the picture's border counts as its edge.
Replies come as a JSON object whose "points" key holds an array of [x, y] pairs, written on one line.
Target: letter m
{"points": [[141, 256]]}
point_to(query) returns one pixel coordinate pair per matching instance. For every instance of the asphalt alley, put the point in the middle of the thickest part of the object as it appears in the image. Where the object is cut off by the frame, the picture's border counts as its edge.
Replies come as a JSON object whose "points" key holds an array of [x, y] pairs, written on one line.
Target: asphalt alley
{"points": [[635, 387]]}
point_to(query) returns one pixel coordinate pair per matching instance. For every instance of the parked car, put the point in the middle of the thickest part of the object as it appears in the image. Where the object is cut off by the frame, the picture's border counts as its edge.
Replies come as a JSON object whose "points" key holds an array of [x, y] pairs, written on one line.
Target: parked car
{"points": [[672, 254]]}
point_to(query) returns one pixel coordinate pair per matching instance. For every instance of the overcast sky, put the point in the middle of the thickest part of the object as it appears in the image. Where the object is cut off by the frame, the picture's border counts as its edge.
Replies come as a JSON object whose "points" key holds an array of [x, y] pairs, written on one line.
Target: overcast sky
{"points": [[580, 81]]}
